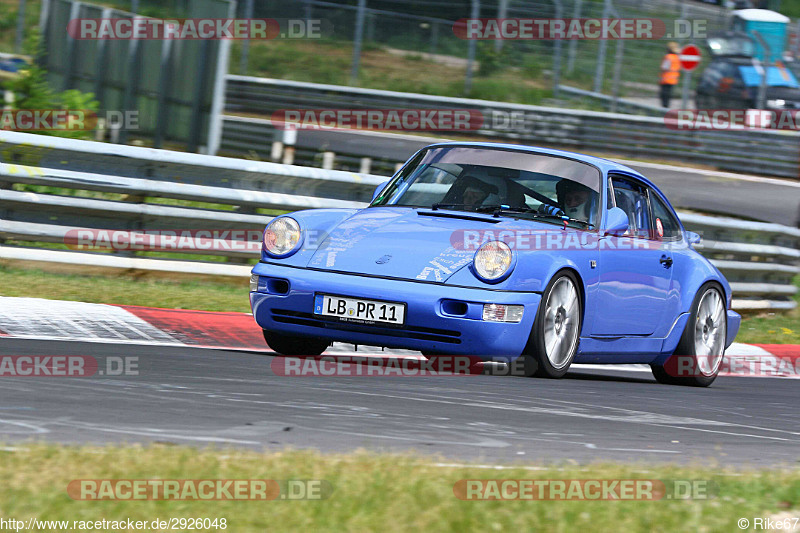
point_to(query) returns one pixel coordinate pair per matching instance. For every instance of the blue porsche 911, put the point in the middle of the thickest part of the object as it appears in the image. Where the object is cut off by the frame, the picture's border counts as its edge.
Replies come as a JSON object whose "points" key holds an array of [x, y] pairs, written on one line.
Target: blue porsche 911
{"points": [[504, 252]]}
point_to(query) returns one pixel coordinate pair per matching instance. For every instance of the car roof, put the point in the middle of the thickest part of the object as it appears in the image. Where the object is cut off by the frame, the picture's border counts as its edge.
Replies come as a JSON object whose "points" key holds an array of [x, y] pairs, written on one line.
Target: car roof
{"points": [[604, 165], [761, 15]]}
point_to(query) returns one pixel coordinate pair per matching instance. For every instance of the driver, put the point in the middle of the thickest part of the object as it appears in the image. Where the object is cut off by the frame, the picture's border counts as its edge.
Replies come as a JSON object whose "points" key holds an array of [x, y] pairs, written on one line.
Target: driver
{"points": [[475, 191], [575, 199], [473, 196]]}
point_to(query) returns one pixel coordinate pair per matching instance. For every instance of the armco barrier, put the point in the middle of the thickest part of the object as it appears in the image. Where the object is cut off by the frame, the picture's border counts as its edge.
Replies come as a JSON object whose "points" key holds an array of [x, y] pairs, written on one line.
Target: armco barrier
{"points": [[764, 152], [67, 176]]}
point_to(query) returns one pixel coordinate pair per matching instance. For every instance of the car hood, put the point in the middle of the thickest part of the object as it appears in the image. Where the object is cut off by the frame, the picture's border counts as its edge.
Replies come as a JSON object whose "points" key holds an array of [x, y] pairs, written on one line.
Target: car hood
{"points": [[406, 243], [789, 94]]}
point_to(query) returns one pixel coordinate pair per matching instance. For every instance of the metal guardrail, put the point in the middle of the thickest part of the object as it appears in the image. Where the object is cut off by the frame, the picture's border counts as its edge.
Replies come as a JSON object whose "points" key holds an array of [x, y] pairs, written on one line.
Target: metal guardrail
{"points": [[68, 175], [256, 138], [49, 186], [758, 259], [621, 104], [773, 153]]}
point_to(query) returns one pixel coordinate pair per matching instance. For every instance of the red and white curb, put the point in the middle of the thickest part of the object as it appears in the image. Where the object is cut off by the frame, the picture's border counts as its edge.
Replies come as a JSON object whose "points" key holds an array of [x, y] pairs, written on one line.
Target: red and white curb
{"points": [[35, 318]]}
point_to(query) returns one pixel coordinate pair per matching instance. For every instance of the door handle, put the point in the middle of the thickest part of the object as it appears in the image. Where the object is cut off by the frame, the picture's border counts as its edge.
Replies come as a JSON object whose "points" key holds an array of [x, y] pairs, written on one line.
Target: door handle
{"points": [[666, 261]]}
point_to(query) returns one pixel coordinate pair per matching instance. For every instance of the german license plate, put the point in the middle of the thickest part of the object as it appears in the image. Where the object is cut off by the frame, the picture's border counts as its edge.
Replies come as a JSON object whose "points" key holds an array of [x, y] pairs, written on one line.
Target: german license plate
{"points": [[359, 311]]}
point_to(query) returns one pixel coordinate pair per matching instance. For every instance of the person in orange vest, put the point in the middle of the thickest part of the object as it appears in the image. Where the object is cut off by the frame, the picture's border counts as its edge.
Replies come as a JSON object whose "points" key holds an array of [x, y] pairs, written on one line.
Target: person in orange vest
{"points": [[670, 73]]}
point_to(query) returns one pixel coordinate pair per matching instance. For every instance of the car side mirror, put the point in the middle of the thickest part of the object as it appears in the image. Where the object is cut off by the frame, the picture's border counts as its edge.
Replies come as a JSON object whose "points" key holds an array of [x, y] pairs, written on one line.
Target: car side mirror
{"points": [[378, 190], [617, 221], [693, 237]]}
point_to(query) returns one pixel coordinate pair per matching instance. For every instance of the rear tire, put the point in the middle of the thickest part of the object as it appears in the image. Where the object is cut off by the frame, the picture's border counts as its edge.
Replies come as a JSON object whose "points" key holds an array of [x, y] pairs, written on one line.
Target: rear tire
{"points": [[703, 338], [556, 331], [290, 345]]}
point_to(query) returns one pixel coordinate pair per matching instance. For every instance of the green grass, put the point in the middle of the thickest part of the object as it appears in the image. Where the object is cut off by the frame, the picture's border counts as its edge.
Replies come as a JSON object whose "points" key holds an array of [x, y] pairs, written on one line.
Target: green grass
{"points": [[384, 493], [328, 61], [127, 289], [206, 295], [773, 328]]}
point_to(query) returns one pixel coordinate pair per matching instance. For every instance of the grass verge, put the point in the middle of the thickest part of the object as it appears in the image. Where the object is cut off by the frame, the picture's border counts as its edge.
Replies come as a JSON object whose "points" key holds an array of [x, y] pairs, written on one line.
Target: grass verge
{"points": [[127, 289], [379, 492], [219, 295], [773, 328]]}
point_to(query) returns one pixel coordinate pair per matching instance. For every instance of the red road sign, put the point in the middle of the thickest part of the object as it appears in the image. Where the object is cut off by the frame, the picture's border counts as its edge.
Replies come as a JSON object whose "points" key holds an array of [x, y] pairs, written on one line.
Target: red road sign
{"points": [[690, 57]]}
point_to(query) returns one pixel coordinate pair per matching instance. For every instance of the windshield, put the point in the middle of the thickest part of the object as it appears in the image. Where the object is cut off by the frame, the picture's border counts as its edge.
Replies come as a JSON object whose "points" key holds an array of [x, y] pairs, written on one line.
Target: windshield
{"points": [[732, 46], [509, 182]]}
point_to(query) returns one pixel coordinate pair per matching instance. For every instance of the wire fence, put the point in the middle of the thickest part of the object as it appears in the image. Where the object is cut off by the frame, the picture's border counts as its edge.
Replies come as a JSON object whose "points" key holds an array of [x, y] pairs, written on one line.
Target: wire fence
{"points": [[616, 68], [627, 69]]}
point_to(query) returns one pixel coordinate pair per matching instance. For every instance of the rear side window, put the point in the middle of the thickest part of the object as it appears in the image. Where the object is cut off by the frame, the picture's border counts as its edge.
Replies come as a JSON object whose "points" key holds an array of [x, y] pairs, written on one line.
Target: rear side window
{"points": [[632, 198], [666, 226]]}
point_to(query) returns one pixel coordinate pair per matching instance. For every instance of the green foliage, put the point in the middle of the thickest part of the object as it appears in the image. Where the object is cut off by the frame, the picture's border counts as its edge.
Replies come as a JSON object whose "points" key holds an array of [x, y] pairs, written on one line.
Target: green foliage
{"points": [[33, 91], [8, 18], [283, 60], [491, 60], [790, 8], [505, 91], [532, 67]]}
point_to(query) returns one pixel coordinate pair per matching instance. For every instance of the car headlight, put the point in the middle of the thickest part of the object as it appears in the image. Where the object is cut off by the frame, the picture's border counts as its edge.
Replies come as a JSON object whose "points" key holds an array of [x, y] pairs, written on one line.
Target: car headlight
{"points": [[282, 237], [493, 261], [776, 104]]}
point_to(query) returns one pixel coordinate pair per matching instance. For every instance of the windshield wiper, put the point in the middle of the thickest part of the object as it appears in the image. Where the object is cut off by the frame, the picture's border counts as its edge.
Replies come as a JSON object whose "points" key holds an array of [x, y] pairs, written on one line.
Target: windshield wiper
{"points": [[556, 214], [563, 218], [495, 208], [500, 208], [440, 205]]}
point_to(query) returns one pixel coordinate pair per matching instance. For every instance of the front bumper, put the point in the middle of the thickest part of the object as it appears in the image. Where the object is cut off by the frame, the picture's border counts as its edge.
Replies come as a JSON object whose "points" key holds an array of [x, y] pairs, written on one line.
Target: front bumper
{"points": [[428, 327]]}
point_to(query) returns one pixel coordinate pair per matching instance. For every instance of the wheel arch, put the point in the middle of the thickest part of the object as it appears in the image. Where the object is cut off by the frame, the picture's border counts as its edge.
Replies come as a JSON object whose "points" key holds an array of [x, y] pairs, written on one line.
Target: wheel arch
{"points": [[690, 295], [581, 288]]}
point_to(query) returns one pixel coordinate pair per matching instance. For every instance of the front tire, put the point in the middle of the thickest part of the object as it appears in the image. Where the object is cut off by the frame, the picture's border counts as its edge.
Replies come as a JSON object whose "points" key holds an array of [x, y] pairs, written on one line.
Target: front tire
{"points": [[703, 339], [557, 327], [290, 345]]}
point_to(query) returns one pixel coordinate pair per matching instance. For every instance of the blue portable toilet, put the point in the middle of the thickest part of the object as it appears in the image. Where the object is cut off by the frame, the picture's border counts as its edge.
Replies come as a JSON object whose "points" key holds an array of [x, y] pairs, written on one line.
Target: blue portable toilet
{"points": [[772, 26]]}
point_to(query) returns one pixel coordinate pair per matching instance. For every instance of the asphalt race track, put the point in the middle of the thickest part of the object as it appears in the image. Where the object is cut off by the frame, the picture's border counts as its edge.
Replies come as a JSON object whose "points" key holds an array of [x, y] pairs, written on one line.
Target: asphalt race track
{"points": [[226, 398]]}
